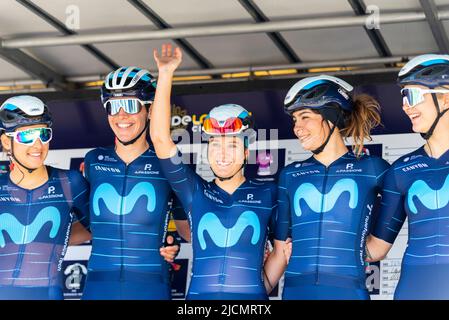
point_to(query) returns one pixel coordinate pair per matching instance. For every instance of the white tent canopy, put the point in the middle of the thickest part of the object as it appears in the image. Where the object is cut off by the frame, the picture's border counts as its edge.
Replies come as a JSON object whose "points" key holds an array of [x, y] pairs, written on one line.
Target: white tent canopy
{"points": [[47, 42]]}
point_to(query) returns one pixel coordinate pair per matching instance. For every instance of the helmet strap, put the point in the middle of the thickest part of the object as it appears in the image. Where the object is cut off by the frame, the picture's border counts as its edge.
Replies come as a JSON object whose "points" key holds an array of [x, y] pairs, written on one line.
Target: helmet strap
{"points": [[321, 148], [12, 156], [136, 138], [429, 133], [232, 176]]}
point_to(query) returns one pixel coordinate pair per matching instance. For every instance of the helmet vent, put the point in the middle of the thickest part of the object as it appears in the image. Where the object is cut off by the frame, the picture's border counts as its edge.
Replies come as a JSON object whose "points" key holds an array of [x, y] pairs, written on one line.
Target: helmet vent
{"points": [[317, 92], [128, 81]]}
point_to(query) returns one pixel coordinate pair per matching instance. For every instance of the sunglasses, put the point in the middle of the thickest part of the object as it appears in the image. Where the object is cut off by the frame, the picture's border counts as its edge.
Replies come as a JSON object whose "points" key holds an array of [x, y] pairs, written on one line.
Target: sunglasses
{"points": [[414, 96], [130, 106], [231, 126], [29, 137]]}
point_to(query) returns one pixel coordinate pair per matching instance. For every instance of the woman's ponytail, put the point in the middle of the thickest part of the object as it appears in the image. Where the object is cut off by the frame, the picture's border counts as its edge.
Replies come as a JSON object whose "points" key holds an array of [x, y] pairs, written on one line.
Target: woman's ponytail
{"points": [[364, 117]]}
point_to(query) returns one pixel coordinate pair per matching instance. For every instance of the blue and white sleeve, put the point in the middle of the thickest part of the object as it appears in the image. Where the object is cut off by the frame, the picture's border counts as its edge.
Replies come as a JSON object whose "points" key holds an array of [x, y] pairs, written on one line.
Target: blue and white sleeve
{"points": [[391, 214], [80, 192], [282, 231], [182, 179]]}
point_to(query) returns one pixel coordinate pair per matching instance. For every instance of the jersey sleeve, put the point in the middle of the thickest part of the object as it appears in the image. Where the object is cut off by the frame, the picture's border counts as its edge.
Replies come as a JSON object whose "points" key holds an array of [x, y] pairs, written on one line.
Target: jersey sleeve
{"points": [[177, 209], [183, 180], [80, 192], [282, 210], [381, 169], [391, 214], [86, 165]]}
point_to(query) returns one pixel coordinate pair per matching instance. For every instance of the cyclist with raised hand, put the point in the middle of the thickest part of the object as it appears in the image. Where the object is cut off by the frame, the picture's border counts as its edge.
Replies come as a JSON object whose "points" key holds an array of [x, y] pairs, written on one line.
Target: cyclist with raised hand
{"points": [[417, 185], [229, 215], [40, 205], [129, 199], [325, 202]]}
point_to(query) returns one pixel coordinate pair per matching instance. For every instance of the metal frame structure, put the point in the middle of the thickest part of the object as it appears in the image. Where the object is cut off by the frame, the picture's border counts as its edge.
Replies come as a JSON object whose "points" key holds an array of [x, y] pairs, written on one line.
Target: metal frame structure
{"points": [[432, 16], [215, 30], [375, 36], [11, 49], [161, 24], [58, 25], [34, 68]]}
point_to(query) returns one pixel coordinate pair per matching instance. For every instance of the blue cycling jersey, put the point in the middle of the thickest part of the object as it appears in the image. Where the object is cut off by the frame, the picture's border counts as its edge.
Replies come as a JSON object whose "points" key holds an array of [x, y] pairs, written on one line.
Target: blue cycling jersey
{"points": [[417, 187], [129, 208], [34, 233], [229, 232], [328, 210]]}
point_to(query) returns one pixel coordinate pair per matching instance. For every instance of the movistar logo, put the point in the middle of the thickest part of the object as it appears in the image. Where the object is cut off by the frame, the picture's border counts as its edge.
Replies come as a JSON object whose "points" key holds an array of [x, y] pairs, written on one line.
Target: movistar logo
{"points": [[23, 234], [319, 202], [121, 205], [430, 198], [224, 237]]}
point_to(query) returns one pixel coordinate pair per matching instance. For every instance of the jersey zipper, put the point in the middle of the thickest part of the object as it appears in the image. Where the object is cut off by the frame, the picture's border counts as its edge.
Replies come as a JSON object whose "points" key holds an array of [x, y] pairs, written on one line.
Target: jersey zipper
{"points": [[121, 224], [323, 190], [223, 267], [438, 232]]}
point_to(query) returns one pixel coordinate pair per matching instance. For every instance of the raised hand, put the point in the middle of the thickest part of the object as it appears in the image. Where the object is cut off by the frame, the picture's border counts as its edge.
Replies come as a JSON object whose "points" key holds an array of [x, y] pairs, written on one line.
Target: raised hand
{"points": [[169, 59]]}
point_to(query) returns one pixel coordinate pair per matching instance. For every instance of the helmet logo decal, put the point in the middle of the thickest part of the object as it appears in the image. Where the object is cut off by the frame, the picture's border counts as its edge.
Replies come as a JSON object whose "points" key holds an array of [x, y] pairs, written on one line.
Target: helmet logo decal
{"points": [[343, 93]]}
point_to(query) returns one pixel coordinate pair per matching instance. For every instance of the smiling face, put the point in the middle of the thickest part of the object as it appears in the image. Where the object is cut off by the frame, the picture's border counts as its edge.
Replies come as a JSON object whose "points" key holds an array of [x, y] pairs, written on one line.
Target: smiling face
{"points": [[127, 126], [309, 128], [226, 155], [31, 156], [423, 114]]}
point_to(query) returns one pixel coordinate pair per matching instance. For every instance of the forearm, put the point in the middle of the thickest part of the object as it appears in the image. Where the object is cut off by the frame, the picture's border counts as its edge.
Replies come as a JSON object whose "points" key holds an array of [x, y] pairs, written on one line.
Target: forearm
{"points": [[161, 117], [376, 249], [274, 268], [79, 234], [183, 229]]}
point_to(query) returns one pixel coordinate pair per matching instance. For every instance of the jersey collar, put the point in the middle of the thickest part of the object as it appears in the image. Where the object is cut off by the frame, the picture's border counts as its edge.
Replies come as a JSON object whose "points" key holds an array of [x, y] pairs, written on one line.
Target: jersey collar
{"points": [[344, 157]]}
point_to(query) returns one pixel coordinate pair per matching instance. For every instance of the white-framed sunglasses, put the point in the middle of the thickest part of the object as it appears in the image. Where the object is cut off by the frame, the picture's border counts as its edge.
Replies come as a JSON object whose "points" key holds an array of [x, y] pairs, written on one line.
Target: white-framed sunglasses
{"points": [[414, 96], [29, 136], [129, 105]]}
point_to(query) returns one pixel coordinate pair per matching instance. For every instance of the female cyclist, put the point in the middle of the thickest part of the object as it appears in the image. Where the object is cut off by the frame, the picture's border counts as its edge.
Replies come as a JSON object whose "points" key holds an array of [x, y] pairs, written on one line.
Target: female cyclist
{"points": [[326, 201], [417, 185], [129, 199], [39, 205], [229, 216]]}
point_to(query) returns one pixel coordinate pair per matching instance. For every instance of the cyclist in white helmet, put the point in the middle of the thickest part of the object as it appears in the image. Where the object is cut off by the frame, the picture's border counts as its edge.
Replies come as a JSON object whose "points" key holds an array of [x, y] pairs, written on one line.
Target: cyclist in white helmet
{"points": [[229, 215], [129, 199], [40, 206], [417, 185]]}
